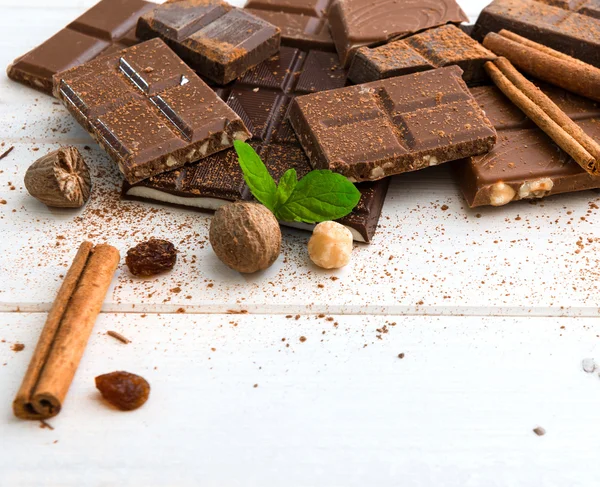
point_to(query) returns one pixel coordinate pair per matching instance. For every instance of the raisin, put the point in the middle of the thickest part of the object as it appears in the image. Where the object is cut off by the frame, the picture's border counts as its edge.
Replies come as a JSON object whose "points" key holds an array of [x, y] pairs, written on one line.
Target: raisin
{"points": [[151, 257], [123, 390]]}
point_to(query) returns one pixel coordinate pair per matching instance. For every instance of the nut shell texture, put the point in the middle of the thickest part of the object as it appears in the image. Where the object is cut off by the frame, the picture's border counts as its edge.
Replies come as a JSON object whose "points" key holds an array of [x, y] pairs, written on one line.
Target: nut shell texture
{"points": [[60, 179], [245, 236]]}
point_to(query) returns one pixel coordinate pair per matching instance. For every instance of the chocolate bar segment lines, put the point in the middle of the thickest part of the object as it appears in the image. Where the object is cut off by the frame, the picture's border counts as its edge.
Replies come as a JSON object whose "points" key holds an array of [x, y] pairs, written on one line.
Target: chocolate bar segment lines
{"points": [[219, 41], [149, 111], [568, 32], [356, 23], [108, 26], [303, 23], [525, 163], [434, 48], [371, 131]]}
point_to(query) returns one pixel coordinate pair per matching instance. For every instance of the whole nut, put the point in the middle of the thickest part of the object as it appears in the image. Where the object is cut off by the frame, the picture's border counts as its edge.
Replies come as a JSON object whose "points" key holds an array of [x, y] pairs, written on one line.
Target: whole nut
{"points": [[245, 236], [60, 179], [330, 246]]}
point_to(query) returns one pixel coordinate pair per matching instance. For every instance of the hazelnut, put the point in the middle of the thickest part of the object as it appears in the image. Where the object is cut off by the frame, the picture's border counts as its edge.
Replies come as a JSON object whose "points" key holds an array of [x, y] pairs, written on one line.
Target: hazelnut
{"points": [[501, 194], [536, 189], [330, 246], [60, 179], [245, 236]]}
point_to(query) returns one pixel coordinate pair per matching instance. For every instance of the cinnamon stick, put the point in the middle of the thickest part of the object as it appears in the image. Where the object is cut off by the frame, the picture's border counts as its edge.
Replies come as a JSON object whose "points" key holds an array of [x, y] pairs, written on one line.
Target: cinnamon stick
{"points": [[66, 332], [546, 114], [546, 64]]}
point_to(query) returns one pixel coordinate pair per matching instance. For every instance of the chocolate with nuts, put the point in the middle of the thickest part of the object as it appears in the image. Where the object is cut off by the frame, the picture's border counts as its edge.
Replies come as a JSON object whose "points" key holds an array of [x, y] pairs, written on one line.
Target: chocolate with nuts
{"points": [[148, 110], [434, 48], [526, 163], [219, 41], [60, 179], [262, 98], [371, 131]]}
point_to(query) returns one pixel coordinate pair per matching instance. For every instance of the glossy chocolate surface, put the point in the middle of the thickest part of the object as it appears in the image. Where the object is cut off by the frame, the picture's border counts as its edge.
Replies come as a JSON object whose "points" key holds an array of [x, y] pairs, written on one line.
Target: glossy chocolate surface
{"points": [[356, 23]]}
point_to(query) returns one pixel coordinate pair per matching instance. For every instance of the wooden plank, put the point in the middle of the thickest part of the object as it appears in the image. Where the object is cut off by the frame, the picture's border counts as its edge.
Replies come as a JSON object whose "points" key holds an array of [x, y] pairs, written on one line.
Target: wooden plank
{"points": [[338, 409]]}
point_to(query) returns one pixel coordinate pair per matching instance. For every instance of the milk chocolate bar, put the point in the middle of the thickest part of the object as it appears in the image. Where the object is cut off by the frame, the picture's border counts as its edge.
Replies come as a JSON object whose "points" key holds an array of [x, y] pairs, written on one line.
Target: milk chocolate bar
{"points": [[371, 131], [356, 23], [434, 48], [219, 41], [303, 23], [262, 98], [107, 27], [568, 32], [526, 163], [148, 109]]}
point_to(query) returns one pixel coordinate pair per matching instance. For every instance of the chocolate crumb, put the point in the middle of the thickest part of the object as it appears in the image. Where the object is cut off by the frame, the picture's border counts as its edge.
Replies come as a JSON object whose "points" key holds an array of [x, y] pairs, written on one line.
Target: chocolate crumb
{"points": [[17, 347], [255, 386], [44, 425], [6, 152], [118, 336], [302, 339], [401, 355]]}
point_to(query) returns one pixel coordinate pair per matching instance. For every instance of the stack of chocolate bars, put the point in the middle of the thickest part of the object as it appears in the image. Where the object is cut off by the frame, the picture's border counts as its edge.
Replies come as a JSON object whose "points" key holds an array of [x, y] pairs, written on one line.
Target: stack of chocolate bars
{"points": [[366, 88]]}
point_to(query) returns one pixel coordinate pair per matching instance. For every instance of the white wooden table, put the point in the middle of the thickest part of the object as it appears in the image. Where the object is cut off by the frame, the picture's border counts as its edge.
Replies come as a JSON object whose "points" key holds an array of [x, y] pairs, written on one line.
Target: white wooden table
{"points": [[494, 309]]}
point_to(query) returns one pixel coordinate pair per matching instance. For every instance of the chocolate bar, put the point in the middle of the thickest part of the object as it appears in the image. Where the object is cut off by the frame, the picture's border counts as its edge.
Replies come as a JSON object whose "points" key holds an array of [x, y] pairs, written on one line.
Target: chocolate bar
{"points": [[219, 41], [303, 23], [434, 48], [356, 23], [106, 27], [148, 109], [568, 32], [262, 98], [583, 7], [526, 163], [371, 131]]}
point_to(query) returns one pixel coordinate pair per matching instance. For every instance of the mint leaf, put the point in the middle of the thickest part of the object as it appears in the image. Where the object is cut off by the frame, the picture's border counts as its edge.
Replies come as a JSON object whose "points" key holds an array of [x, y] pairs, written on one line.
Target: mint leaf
{"points": [[256, 175], [287, 183], [319, 196]]}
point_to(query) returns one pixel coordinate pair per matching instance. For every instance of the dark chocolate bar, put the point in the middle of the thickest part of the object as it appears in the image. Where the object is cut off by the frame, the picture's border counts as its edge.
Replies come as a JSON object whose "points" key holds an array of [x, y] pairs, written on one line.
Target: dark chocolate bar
{"points": [[303, 23], [356, 23], [434, 48], [569, 32], [148, 109], [262, 98], [526, 163], [106, 27], [219, 41], [371, 131], [583, 7]]}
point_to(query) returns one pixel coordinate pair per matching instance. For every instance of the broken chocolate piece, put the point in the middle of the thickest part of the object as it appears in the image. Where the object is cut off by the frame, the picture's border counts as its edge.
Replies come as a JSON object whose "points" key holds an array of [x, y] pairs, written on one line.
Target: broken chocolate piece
{"points": [[435, 48], [108, 26], [219, 41], [525, 163], [148, 110], [356, 23], [371, 131]]}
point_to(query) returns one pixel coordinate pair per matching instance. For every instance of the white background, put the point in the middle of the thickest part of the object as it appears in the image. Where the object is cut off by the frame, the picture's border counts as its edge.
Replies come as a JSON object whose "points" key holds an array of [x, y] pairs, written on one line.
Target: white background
{"points": [[494, 309]]}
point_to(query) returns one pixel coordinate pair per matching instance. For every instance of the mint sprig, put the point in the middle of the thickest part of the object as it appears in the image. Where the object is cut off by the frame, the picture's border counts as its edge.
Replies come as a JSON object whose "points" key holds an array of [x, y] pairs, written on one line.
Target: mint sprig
{"points": [[319, 196]]}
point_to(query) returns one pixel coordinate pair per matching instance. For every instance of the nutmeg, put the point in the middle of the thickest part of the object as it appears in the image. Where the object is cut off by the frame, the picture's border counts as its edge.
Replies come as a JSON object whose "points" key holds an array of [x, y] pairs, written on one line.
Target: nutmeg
{"points": [[60, 179], [245, 236]]}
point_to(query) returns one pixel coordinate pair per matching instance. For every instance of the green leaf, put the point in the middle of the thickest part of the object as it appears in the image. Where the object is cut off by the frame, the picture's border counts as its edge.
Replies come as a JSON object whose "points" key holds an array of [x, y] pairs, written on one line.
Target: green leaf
{"points": [[319, 196], [287, 183], [256, 175]]}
